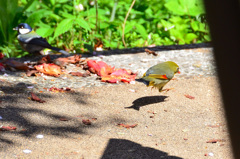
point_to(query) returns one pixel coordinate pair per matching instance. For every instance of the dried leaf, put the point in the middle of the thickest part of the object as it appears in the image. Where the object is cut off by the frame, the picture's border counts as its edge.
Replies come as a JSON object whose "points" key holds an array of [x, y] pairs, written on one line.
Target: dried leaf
{"points": [[215, 140], [214, 126], [7, 128], [151, 52], [49, 69], [45, 59], [86, 122], [66, 60], [61, 90], [63, 119], [15, 64], [127, 126], [99, 45], [35, 98], [188, 96], [79, 74]]}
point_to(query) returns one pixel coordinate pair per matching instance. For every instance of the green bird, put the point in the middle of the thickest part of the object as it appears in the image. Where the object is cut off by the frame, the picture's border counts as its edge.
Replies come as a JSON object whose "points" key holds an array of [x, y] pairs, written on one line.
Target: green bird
{"points": [[159, 75]]}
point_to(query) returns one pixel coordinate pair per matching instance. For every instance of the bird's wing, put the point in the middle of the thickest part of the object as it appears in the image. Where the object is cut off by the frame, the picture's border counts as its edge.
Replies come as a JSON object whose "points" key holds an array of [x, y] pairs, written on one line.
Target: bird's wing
{"points": [[158, 76], [40, 42], [34, 39]]}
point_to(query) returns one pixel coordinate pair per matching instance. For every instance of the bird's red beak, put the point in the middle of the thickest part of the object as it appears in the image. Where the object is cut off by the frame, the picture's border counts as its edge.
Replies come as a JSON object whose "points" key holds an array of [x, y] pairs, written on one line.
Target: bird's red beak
{"points": [[178, 72]]}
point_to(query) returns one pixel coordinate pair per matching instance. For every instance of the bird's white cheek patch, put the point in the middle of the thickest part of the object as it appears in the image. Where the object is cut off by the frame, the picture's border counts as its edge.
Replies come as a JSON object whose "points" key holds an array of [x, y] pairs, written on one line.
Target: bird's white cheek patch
{"points": [[24, 31]]}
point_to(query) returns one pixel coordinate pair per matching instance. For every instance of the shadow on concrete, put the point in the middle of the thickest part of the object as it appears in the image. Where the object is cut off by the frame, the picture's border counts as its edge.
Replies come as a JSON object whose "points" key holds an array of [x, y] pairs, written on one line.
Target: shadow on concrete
{"points": [[124, 149], [144, 101]]}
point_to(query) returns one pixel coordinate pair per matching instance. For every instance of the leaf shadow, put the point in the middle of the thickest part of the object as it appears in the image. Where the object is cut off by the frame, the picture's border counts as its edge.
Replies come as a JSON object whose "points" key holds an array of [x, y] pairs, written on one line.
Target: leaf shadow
{"points": [[32, 118], [122, 148], [144, 101]]}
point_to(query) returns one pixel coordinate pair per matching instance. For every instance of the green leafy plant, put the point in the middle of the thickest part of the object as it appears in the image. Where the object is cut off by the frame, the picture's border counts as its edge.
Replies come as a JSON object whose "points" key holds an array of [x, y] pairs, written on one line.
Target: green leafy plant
{"points": [[76, 24]]}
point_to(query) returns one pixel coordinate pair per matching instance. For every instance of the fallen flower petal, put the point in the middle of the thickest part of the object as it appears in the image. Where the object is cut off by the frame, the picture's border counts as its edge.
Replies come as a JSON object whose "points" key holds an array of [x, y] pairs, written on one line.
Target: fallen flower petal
{"points": [[188, 96], [127, 126], [35, 98]]}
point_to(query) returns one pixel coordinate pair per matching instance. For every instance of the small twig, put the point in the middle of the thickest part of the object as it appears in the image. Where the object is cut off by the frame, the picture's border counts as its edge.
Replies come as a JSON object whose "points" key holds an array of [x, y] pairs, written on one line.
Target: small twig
{"points": [[124, 23], [96, 6]]}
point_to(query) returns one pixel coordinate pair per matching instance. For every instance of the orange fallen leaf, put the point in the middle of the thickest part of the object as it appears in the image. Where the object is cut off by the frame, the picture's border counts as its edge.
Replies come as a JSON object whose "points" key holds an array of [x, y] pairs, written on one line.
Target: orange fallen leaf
{"points": [[49, 69], [188, 96], [127, 126], [35, 98]]}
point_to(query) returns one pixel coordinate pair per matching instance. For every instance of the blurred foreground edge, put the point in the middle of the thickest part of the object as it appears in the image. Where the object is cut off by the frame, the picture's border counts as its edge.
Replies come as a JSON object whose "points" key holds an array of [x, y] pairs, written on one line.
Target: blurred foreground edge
{"points": [[224, 18]]}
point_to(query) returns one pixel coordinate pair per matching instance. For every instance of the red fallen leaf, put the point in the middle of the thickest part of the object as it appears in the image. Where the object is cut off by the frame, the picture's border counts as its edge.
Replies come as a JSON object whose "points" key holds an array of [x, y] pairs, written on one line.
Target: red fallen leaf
{"points": [[7, 128], [15, 64], [215, 141], [49, 69], [45, 59], [127, 126], [61, 90], [35, 98], [188, 96], [1, 55], [2, 67], [119, 75], [94, 119], [100, 67], [151, 52], [86, 122]]}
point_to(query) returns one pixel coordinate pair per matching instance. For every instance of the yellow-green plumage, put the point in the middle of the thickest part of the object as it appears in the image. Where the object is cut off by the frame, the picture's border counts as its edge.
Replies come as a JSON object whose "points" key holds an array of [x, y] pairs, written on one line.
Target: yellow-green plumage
{"points": [[159, 75]]}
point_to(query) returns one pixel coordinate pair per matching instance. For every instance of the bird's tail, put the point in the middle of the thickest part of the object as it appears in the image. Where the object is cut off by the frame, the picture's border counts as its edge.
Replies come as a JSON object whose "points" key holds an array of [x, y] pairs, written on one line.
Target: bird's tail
{"points": [[59, 50]]}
